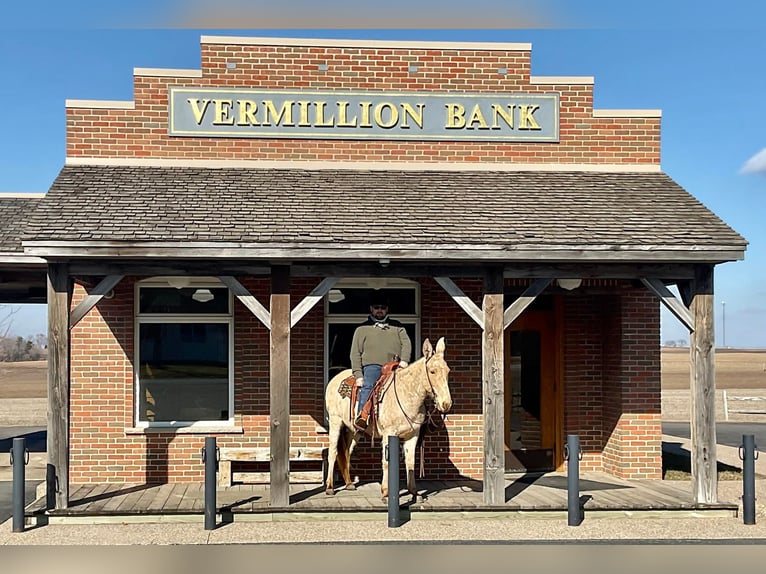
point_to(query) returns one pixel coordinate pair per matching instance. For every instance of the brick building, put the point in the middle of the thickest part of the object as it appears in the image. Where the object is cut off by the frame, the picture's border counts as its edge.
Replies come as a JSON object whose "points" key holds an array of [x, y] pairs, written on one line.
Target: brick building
{"points": [[211, 244]]}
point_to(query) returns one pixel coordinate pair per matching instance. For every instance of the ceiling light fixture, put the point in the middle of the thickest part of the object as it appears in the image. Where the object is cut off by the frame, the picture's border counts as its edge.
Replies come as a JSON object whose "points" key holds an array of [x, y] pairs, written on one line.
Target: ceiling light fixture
{"points": [[203, 295], [335, 296], [569, 284], [179, 282]]}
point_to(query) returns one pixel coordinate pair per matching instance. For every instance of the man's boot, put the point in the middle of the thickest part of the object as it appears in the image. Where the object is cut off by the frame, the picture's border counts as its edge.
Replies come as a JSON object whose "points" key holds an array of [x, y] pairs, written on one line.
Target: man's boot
{"points": [[361, 420]]}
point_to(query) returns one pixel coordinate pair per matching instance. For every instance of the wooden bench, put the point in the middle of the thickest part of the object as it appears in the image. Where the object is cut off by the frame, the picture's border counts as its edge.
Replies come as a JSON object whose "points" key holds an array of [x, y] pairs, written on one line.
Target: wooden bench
{"points": [[228, 456]]}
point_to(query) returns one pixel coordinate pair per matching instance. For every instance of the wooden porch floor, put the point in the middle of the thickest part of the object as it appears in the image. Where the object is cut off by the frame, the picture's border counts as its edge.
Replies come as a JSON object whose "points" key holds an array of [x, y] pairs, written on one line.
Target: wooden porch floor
{"points": [[528, 494]]}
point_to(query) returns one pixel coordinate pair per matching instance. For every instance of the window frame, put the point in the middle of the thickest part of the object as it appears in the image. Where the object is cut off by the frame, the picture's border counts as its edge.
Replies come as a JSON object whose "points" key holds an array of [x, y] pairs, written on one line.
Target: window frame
{"points": [[187, 318], [357, 318]]}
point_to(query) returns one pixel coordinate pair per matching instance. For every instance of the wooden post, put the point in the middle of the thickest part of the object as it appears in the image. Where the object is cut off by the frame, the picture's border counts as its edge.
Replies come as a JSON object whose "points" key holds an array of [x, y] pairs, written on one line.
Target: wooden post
{"points": [[58, 385], [493, 388], [279, 385], [702, 357]]}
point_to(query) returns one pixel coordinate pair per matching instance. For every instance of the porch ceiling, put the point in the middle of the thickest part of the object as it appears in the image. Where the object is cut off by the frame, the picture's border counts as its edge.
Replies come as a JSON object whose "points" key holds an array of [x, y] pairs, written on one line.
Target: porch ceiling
{"points": [[328, 214]]}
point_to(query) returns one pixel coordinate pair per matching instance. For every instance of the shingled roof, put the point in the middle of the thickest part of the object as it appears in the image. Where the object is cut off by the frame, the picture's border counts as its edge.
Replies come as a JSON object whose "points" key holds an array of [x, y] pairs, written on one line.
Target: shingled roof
{"points": [[14, 212], [513, 215]]}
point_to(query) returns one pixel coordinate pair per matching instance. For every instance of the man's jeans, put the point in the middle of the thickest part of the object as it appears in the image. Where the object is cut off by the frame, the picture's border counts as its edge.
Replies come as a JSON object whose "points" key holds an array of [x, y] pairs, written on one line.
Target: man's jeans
{"points": [[371, 374]]}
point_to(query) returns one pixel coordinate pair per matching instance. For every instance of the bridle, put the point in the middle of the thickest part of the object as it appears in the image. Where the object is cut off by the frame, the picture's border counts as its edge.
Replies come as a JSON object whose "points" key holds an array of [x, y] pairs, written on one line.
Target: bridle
{"points": [[429, 413], [434, 419]]}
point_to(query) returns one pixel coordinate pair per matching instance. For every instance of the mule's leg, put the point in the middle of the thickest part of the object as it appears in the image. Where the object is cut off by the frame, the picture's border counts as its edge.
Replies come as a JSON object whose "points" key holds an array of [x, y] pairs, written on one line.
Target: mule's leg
{"points": [[349, 442], [410, 446], [332, 452]]}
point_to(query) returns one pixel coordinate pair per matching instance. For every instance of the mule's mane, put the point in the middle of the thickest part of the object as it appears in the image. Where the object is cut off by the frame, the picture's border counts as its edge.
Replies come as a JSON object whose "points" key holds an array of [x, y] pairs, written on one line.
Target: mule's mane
{"points": [[414, 377]]}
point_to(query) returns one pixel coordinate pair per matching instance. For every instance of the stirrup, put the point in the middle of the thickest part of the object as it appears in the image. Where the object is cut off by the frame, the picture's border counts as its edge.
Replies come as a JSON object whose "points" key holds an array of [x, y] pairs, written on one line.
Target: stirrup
{"points": [[360, 424]]}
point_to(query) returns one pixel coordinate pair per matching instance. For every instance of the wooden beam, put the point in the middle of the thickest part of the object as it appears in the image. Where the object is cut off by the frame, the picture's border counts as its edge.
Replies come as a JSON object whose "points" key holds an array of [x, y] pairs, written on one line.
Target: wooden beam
{"points": [[685, 291], [462, 299], [525, 300], [334, 251], [279, 386], [669, 300], [172, 267], [311, 299], [241, 293], [91, 299], [59, 294], [493, 389], [515, 270], [702, 356]]}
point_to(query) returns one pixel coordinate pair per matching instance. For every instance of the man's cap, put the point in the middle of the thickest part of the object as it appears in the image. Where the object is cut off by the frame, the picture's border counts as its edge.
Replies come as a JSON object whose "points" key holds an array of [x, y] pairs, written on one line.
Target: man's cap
{"points": [[378, 298]]}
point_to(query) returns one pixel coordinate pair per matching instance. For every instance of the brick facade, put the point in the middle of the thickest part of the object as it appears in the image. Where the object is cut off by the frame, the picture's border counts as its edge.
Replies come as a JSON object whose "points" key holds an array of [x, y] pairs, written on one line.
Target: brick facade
{"points": [[142, 132], [611, 384], [610, 335]]}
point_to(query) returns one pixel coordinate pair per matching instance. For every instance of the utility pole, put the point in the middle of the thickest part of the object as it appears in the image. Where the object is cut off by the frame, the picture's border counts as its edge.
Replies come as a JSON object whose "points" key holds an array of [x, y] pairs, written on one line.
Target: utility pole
{"points": [[723, 322]]}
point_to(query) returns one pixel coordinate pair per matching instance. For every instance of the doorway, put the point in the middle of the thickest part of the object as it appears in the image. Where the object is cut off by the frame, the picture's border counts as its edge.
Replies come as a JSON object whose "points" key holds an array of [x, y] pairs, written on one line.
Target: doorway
{"points": [[532, 398]]}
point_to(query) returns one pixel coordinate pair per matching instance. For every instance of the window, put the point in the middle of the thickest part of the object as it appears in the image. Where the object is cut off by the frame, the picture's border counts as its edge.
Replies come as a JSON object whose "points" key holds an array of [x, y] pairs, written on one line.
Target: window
{"points": [[184, 356], [347, 305]]}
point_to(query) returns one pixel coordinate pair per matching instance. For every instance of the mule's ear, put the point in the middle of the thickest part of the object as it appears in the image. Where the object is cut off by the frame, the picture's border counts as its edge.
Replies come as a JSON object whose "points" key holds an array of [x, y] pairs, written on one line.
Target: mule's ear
{"points": [[440, 345], [428, 350]]}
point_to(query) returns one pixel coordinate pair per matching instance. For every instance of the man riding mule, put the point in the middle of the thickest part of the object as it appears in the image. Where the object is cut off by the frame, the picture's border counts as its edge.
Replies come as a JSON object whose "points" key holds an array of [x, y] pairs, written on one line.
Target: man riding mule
{"points": [[401, 411], [377, 342]]}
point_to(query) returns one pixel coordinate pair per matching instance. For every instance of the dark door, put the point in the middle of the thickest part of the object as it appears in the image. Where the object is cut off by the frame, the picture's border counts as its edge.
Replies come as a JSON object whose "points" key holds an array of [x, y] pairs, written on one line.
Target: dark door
{"points": [[531, 402]]}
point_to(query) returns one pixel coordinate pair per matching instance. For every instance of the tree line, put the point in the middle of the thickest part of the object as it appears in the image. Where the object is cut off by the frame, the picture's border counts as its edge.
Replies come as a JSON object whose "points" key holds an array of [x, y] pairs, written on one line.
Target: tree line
{"points": [[15, 348], [33, 348]]}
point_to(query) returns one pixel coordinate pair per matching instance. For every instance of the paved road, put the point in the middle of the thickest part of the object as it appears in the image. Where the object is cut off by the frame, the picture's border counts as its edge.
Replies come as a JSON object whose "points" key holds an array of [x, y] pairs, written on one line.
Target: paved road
{"points": [[36, 437], [6, 497], [35, 443], [728, 434]]}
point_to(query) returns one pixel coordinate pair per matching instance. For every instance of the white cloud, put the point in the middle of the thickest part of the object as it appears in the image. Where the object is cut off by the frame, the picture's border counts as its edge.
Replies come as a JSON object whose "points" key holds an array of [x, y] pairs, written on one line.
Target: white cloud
{"points": [[756, 164]]}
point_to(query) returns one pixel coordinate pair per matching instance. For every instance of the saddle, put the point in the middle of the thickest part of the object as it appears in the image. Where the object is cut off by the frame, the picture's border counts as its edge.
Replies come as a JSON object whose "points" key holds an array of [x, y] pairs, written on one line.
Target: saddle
{"points": [[386, 372]]}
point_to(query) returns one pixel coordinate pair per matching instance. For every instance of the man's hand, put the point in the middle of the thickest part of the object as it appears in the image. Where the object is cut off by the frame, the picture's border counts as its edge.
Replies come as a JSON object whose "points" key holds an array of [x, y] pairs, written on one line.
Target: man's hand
{"points": [[360, 382], [403, 364]]}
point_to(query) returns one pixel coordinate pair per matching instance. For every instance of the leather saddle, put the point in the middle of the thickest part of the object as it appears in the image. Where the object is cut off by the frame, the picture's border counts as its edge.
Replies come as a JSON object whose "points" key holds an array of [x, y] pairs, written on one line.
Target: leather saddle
{"points": [[352, 390]]}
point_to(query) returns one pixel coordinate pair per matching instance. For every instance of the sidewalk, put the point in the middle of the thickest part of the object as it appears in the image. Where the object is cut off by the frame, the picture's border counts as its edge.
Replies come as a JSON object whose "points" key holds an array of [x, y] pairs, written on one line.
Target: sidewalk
{"points": [[726, 454], [455, 529], [313, 529]]}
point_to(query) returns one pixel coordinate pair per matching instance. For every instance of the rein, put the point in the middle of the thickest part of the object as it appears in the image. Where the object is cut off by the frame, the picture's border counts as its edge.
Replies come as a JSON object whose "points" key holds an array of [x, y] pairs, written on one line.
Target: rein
{"points": [[434, 419], [410, 420]]}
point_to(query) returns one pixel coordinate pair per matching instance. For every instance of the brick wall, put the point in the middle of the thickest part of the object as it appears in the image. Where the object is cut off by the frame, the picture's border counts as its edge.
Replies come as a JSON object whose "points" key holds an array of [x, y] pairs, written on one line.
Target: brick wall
{"points": [[633, 433], [142, 132], [611, 382]]}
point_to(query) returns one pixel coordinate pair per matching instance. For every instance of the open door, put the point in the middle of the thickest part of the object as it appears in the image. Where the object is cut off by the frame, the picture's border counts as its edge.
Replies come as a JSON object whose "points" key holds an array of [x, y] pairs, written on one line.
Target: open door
{"points": [[532, 404]]}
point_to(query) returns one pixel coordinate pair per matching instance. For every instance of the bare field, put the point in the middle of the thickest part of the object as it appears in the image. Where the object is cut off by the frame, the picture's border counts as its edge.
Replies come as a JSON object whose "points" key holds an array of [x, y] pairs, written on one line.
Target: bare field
{"points": [[24, 380], [734, 369]]}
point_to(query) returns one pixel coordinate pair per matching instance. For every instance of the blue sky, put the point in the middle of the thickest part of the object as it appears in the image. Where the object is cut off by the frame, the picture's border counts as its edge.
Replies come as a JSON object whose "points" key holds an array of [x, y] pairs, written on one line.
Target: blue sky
{"points": [[702, 63]]}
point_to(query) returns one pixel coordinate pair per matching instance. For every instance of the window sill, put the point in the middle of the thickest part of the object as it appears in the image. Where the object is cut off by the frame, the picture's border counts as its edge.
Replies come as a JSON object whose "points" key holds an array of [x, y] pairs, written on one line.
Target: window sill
{"points": [[184, 430]]}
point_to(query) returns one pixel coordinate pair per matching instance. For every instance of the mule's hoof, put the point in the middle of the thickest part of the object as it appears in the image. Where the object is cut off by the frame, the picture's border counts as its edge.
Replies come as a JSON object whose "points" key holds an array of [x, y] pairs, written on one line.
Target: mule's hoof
{"points": [[330, 491], [351, 486]]}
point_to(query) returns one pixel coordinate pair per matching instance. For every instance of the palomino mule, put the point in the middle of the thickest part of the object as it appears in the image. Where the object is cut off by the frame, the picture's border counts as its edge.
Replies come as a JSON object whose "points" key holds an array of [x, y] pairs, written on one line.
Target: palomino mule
{"points": [[401, 412]]}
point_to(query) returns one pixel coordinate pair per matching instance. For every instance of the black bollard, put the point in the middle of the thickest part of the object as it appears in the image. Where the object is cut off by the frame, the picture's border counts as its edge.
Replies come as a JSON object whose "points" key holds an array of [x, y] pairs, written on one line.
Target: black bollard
{"points": [[19, 458], [392, 456], [210, 458], [747, 454], [50, 487], [573, 454]]}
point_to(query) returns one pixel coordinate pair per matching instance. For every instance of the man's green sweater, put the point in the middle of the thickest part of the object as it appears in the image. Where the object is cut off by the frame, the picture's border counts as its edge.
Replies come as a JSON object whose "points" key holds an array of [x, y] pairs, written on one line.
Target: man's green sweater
{"points": [[377, 343]]}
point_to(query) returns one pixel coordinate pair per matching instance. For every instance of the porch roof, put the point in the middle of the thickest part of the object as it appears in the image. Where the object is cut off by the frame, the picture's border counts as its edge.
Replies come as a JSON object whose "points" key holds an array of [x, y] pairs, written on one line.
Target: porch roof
{"points": [[405, 215], [22, 277], [15, 211]]}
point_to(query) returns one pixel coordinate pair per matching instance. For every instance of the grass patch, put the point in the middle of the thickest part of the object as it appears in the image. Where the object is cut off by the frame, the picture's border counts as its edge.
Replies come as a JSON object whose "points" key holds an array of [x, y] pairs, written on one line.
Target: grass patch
{"points": [[677, 466]]}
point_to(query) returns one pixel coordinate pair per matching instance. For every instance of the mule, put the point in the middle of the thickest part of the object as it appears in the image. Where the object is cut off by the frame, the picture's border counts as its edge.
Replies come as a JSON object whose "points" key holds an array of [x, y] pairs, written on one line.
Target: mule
{"points": [[401, 412]]}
